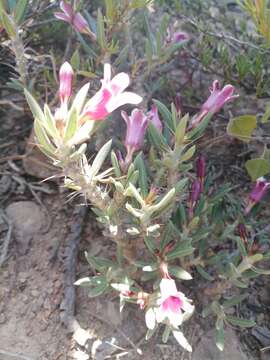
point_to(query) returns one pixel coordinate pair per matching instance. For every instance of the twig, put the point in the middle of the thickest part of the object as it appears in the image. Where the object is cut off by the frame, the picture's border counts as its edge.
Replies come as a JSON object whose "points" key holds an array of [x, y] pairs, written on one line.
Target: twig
{"points": [[11, 104], [70, 259], [6, 240]]}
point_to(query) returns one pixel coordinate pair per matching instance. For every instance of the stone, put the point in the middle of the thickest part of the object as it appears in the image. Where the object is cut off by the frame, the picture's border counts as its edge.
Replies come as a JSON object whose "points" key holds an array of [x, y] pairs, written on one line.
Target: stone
{"points": [[27, 219], [207, 350]]}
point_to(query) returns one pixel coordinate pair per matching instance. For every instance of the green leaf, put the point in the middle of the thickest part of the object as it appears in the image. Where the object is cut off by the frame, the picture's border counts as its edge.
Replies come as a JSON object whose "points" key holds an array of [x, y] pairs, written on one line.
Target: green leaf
{"points": [[165, 113], [75, 60], [20, 10], [8, 24], [43, 139], [156, 138], [234, 301], [166, 334], [179, 273], [71, 125], [182, 249], [49, 123], [99, 263], [242, 127], [195, 133], [34, 107], [204, 274], [164, 203], [188, 154], [98, 290], [139, 164], [257, 168], [100, 158], [266, 115], [149, 34], [79, 100], [115, 164], [181, 130], [243, 323], [219, 338], [148, 52], [150, 243], [101, 30]]}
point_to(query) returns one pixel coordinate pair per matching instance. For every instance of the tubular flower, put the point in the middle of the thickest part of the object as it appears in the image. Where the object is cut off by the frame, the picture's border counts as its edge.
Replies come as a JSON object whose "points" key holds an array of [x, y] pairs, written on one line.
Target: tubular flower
{"points": [[65, 79], [173, 305], [74, 18], [216, 101], [257, 193], [154, 118], [136, 127], [110, 96]]}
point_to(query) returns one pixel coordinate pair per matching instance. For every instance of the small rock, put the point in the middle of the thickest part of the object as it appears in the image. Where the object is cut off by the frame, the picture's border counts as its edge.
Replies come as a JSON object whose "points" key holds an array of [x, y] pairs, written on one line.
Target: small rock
{"points": [[35, 293], [207, 350], [2, 318], [28, 219]]}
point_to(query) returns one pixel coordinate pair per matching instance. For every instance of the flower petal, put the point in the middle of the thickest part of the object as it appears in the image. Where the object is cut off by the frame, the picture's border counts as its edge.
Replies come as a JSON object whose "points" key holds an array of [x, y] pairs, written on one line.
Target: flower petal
{"points": [[63, 17], [107, 72], [179, 336], [122, 99], [119, 83], [67, 8], [168, 288]]}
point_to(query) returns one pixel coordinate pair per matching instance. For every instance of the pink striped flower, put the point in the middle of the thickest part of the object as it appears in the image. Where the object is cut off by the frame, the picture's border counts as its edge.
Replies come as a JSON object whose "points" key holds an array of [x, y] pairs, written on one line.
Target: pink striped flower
{"points": [[173, 305], [75, 19], [257, 193], [216, 101], [110, 96], [136, 127], [65, 80], [154, 118]]}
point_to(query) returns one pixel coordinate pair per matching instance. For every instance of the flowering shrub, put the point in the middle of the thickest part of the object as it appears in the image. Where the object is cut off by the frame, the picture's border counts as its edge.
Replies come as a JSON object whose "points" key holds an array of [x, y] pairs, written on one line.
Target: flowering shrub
{"points": [[166, 220]]}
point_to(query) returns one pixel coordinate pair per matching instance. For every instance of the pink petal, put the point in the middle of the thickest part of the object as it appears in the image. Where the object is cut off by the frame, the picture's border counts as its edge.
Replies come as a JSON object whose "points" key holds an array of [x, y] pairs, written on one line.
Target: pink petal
{"points": [[107, 73], [125, 117], [67, 8], [119, 83], [168, 288], [63, 17], [122, 99], [80, 23]]}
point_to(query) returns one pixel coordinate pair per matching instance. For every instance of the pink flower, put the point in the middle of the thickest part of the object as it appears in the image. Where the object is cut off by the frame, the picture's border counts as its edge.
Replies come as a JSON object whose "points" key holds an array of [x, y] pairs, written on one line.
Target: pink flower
{"points": [[176, 37], [173, 305], [154, 118], [65, 79], [74, 18], [216, 101], [257, 193], [136, 127], [180, 36], [110, 96]]}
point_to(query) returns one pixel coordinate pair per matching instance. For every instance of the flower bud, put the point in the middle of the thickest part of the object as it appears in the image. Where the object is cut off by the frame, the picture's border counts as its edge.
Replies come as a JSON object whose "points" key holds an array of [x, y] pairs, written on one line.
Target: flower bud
{"points": [[194, 196], [215, 101], [201, 169], [257, 193], [65, 78], [136, 128], [154, 118]]}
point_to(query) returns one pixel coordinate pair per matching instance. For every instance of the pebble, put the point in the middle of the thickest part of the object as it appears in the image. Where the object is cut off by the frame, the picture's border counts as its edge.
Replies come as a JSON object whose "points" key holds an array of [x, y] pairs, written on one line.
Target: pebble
{"points": [[27, 219], [2, 318]]}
